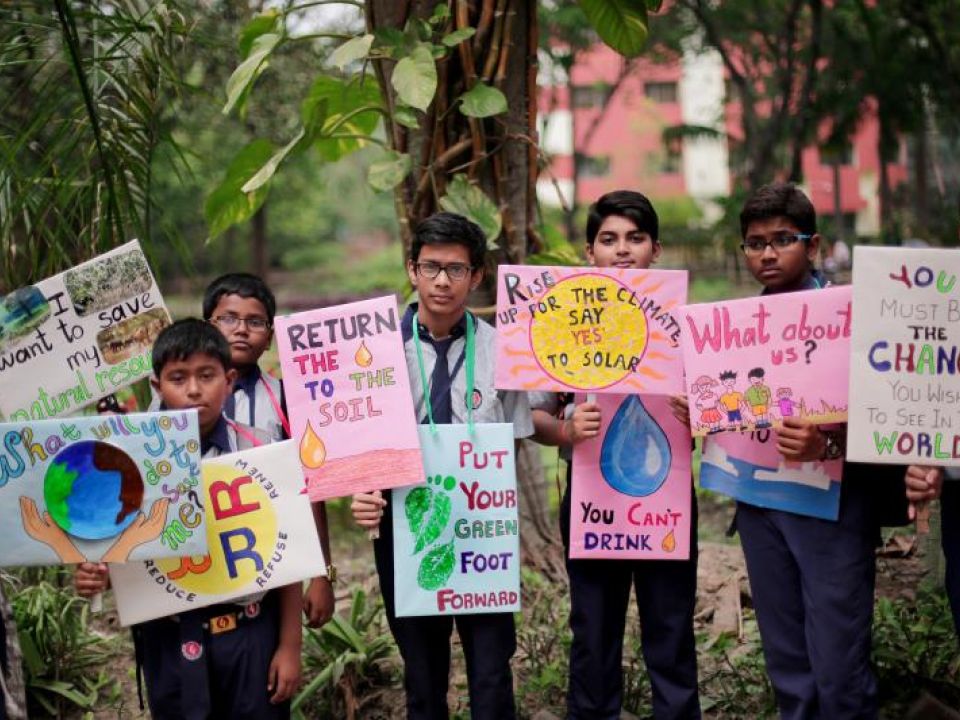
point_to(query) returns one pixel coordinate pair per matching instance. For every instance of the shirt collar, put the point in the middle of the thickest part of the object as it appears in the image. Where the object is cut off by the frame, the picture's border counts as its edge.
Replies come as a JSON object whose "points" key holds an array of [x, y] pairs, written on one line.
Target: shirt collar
{"points": [[406, 326], [219, 438], [248, 380]]}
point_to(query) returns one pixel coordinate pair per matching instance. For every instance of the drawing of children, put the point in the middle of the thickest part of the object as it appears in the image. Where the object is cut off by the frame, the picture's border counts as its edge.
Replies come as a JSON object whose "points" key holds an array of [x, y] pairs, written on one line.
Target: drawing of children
{"points": [[707, 400], [758, 397], [785, 401], [732, 400]]}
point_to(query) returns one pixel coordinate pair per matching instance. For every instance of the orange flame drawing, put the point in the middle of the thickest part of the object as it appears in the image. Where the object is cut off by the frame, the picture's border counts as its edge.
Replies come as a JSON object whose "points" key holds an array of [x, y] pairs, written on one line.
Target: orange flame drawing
{"points": [[363, 357], [313, 452], [669, 543]]}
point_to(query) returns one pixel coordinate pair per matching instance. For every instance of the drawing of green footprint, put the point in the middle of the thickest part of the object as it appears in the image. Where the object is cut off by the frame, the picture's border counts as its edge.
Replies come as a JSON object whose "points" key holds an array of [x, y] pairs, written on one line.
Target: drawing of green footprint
{"points": [[428, 514]]}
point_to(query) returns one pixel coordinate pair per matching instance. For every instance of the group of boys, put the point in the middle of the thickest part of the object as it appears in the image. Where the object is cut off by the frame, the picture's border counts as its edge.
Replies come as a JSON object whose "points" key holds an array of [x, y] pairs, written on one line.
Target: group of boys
{"points": [[812, 580]]}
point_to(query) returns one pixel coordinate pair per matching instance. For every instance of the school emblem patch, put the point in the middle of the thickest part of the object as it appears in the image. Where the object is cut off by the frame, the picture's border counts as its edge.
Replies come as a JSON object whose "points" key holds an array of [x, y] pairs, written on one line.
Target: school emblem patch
{"points": [[192, 650], [252, 610], [476, 400]]}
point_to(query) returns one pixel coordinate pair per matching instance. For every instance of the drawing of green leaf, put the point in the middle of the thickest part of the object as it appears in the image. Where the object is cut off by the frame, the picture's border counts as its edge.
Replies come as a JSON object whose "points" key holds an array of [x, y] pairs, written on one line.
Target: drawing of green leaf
{"points": [[436, 567], [437, 522], [416, 506]]}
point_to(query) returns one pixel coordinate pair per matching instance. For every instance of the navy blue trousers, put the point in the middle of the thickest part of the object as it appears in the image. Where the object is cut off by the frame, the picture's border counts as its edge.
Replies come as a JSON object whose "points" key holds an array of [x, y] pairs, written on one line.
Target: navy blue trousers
{"points": [[950, 541], [488, 640], [666, 597], [812, 582], [236, 665]]}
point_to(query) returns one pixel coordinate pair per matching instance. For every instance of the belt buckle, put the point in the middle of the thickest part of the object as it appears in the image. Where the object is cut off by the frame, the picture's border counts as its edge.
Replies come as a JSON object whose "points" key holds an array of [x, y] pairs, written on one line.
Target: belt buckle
{"points": [[223, 623]]}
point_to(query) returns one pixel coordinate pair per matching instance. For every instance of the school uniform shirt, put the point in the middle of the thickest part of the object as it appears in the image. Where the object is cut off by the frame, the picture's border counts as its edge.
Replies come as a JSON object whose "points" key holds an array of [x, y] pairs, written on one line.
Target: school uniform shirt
{"points": [[258, 401], [489, 404]]}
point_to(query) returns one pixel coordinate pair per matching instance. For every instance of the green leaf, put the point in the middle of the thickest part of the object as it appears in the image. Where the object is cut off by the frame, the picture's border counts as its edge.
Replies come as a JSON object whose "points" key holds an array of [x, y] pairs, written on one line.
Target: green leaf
{"points": [[352, 49], [482, 101], [228, 205], [416, 506], [263, 175], [621, 24], [468, 200], [249, 69], [405, 116], [333, 99], [654, 5], [436, 567], [386, 174], [259, 25], [437, 522], [415, 78], [440, 13], [458, 36]]}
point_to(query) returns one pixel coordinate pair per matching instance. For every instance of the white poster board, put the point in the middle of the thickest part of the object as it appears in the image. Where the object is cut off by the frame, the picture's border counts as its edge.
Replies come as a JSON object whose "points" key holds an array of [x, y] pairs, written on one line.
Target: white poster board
{"points": [[76, 337], [261, 533], [905, 363]]}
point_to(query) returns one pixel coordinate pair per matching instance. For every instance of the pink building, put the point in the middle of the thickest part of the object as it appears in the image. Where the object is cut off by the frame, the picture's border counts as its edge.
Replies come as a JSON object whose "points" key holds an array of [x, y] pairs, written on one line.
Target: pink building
{"points": [[621, 146]]}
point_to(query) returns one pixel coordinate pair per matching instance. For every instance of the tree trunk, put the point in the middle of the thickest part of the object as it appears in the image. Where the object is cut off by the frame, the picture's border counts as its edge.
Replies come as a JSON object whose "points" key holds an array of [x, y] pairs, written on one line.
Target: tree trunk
{"points": [[921, 211], [259, 257], [499, 154]]}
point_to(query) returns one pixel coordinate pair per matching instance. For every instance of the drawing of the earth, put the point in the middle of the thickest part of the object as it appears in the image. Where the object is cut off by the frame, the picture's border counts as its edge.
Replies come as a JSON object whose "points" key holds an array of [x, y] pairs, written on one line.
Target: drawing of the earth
{"points": [[93, 490]]}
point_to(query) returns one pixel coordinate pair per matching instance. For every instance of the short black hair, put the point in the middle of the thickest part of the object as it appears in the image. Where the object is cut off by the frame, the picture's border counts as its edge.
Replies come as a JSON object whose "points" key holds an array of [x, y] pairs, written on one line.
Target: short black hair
{"points": [[445, 228], [246, 285], [190, 336], [779, 199], [756, 372], [634, 206], [728, 375]]}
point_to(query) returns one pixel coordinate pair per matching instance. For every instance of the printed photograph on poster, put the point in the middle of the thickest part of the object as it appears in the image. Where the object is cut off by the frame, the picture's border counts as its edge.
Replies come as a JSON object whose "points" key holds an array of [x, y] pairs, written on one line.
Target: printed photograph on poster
{"points": [[100, 488], [348, 395], [261, 534], [905, 366], [748, 467], [750, 363], [631, 491], [76, 337], [456, 544], [604, 330]]}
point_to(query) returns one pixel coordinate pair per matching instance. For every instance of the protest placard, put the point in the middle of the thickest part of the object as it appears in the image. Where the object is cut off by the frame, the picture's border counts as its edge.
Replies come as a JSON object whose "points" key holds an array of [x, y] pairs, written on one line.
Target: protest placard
{"points": [[750, 363], [604, 330], [348, 393], [631, 488], [905, 369], [748, 467], [101, 488], [74, 338], [455, 539], [261, 534]]}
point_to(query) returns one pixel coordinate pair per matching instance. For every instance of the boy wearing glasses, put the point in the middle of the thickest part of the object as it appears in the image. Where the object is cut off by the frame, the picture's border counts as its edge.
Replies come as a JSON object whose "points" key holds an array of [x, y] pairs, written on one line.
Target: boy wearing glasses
{"points": [[812, 580], [446, 262]]}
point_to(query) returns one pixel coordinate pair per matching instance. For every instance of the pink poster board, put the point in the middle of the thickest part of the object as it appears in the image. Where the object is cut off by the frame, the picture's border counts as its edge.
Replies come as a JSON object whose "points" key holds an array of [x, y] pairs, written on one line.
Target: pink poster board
{"points": [[750, 363], [631, 484], [748, 467], [348, 396], [604, 330]]}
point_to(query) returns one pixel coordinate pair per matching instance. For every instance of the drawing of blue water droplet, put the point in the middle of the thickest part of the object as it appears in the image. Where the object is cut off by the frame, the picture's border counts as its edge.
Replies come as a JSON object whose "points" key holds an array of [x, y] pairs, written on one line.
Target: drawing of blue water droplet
{"points": [[635, 458]]}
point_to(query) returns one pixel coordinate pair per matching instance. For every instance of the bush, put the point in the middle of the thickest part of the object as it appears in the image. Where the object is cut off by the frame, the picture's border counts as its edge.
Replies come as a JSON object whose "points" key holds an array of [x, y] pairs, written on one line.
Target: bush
{"points": [[65, 663]]}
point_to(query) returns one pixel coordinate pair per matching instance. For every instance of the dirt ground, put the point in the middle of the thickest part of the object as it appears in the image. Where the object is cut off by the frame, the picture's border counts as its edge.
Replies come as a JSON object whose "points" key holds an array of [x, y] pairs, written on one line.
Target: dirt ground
{"points": [[722, 594]]}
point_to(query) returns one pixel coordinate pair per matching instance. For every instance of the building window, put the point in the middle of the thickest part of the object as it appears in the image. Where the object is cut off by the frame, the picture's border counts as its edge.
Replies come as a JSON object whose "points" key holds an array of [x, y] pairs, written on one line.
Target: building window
{"points": [[594, 166], [586, 97], [672, 159], [661, 92], [837, 154]]}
